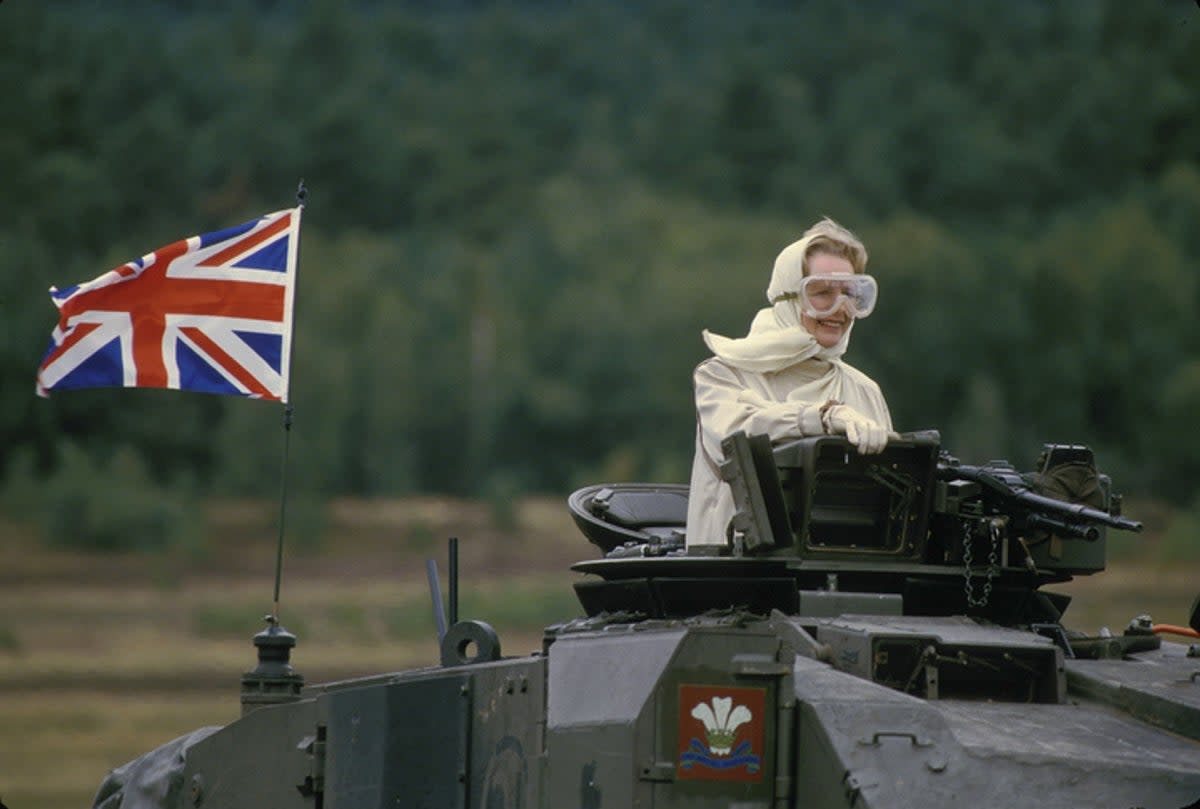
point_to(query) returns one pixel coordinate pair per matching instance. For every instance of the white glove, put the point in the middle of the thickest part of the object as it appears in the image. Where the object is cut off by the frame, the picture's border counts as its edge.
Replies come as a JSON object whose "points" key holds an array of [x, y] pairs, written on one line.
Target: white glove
{"points": [[867, 435]]}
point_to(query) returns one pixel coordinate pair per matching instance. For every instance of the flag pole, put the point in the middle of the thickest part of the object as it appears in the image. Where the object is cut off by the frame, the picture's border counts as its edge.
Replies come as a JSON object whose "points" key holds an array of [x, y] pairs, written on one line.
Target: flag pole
{"points": [[301, 198], [287, 433]]}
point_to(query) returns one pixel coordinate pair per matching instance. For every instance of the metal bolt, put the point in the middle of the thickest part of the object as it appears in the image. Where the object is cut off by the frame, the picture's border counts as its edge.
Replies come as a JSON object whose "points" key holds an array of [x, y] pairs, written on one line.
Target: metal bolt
{"points": [[1142, 623]]}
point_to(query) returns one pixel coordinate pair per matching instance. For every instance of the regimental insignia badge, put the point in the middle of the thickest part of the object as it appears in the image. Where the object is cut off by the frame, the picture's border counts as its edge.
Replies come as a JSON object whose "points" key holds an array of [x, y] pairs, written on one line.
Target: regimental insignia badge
{"points": [[721, 733]]}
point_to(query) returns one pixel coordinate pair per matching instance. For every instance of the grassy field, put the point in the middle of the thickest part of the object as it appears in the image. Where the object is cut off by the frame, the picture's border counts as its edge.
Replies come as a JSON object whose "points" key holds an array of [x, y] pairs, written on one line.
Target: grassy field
{"points": [[105, 657]]}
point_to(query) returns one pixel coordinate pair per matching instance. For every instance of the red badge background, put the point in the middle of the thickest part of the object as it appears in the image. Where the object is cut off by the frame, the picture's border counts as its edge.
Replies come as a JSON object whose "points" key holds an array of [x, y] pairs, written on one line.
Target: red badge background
{"points": [[691, 728]]}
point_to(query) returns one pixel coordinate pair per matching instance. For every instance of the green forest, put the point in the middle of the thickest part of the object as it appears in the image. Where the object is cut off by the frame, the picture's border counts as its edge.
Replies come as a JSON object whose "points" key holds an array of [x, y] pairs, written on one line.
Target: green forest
{"points": [[521, 215]]}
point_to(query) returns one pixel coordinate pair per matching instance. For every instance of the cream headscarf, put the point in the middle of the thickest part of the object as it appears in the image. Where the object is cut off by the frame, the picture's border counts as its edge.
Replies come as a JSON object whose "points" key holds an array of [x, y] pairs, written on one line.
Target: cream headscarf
{"points": [[777, 337], [777, 340]]}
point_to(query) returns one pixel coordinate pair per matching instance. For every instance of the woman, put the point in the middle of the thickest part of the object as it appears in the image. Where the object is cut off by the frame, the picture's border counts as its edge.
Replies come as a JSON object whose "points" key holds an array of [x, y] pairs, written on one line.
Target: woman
{"points": [[786, 377]]}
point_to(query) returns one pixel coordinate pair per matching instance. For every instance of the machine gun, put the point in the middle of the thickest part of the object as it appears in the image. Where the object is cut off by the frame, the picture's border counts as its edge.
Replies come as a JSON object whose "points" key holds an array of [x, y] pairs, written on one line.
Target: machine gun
{"points": [[1065, 499], [1014, 493]]}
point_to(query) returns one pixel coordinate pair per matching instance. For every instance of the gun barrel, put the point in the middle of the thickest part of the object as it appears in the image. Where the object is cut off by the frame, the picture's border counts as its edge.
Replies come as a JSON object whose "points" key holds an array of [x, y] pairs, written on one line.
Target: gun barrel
{"points": [[1083, 531], [1076, 510]]}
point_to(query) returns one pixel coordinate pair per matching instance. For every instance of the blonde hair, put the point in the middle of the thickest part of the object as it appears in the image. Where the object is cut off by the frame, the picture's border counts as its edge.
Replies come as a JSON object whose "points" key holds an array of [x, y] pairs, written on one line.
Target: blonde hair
{"points": [[829, 237], [826, 236]]}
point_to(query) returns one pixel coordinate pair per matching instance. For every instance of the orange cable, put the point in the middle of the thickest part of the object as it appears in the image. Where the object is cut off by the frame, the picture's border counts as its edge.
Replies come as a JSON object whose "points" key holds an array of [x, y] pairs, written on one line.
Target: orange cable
{"points": [[1186, 631]]}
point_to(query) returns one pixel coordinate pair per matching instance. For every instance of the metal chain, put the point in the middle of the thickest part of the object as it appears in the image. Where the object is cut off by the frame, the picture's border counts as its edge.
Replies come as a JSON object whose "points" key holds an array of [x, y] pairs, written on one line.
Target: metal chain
{"points": [[993, 568], [968, 557]]}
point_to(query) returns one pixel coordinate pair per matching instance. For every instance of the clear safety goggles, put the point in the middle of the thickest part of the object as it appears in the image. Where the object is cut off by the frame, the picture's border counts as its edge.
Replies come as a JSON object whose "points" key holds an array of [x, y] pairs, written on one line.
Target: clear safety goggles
{"points": [[822, 295]]}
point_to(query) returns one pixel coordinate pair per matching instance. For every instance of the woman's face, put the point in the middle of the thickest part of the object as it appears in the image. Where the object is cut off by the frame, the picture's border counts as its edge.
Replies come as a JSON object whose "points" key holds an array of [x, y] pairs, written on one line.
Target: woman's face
{"points": [[828, 330]]}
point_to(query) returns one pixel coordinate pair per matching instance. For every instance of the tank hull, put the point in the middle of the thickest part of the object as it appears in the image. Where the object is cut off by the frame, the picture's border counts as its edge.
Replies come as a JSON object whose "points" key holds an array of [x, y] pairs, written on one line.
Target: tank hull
{"points": [[612, 714]]}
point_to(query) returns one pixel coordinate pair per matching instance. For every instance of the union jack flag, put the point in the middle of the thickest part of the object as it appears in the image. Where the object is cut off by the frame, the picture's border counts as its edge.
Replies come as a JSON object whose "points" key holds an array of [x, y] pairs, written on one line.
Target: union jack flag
{"points": [[212, 313]]}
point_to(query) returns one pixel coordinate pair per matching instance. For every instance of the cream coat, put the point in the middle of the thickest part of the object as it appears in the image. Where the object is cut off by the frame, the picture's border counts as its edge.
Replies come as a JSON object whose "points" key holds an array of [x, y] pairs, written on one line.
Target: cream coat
{"points": [[783, 404]]}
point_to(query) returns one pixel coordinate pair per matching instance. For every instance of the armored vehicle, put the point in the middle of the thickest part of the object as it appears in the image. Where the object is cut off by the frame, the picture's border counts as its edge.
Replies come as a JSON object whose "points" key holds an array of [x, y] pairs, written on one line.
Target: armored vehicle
{"points": [[880, 631]]}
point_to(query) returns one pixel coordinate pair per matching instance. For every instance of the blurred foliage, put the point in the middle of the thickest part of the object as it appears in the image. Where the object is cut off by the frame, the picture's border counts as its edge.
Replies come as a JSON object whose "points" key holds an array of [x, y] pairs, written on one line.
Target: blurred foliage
{"points": [[10, 641], [522, 214], [521, 605], [227, 620], [1179, 541], [116, 507]]}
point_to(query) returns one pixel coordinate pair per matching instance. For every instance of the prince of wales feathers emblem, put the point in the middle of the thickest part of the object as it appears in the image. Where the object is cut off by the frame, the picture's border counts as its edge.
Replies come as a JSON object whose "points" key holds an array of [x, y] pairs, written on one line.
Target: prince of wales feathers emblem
{"points": [[721, 723], [725, 753]]}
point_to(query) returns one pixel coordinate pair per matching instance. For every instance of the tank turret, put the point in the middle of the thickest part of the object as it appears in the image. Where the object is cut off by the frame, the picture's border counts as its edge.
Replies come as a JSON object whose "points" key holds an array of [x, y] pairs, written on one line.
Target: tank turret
{"points": [[820, 529]]}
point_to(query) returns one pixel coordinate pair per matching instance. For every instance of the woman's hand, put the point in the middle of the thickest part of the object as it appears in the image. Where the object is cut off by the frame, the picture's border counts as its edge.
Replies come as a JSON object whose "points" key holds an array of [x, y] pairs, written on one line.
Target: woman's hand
{"points": [[867, 435]]}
